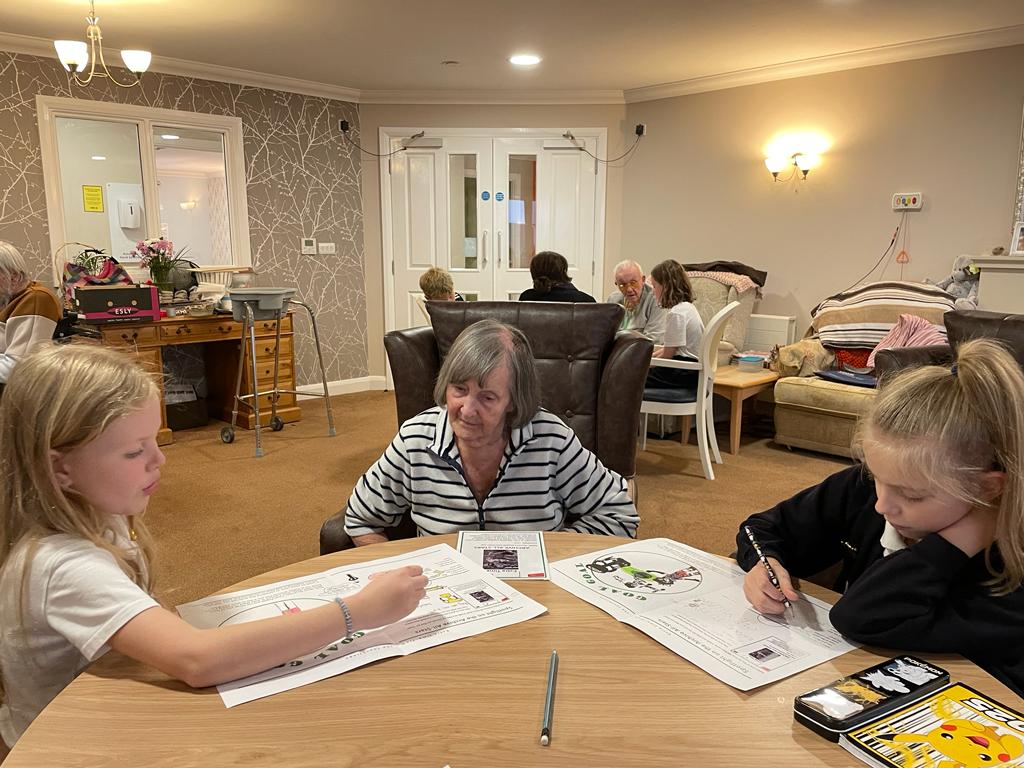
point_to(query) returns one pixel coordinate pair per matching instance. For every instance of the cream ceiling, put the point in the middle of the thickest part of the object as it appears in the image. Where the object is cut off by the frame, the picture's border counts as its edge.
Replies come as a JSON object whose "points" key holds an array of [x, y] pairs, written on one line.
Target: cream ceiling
{"points": [[593, 50]]}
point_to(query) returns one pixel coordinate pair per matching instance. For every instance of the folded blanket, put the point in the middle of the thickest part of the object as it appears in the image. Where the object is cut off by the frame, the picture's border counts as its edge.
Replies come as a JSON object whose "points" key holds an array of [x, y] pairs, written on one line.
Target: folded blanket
{"points": [[909, 331], [741, 283]]}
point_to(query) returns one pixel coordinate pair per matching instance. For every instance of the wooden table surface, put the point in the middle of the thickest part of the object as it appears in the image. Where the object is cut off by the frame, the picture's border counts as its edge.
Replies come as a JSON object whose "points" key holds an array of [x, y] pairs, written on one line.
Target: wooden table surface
{"points": [[622, 700]]}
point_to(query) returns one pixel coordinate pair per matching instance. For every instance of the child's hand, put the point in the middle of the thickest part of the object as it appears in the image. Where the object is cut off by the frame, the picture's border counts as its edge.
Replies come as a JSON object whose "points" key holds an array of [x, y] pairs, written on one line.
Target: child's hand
{"points": [[972, 532], [390, 596], [760, 593]]}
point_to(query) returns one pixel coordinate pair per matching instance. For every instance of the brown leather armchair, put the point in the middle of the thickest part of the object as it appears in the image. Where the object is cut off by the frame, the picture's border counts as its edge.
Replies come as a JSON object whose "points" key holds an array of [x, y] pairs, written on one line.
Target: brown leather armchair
{"points": [[591, 376], [961, 326]]}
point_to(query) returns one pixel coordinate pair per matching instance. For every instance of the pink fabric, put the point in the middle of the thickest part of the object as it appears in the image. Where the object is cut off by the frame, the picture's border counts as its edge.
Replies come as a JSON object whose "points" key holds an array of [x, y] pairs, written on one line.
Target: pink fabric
{"points": [[741, 283], [909, 331]]}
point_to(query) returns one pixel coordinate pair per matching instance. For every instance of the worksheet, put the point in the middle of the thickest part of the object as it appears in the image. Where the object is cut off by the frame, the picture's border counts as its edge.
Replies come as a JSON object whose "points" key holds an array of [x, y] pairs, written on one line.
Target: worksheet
{"points": [[692, 603], [462, 600], [507, 554]]}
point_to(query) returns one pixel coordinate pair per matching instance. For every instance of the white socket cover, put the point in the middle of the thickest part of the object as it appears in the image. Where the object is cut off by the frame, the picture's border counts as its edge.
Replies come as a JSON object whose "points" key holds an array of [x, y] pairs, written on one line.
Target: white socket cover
{"points": [[907, 201], [309, 246]]}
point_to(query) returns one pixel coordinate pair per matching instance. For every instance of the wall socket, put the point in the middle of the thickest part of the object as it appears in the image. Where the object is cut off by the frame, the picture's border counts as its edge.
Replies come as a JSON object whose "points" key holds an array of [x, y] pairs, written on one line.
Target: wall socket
{"points": [[907, 201], [326, 248], [308, 246]]}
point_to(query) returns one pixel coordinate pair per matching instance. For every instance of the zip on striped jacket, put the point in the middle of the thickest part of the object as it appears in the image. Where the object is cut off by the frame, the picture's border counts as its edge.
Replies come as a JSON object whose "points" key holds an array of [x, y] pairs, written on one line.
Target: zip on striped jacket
{"points": [[547, 481]]}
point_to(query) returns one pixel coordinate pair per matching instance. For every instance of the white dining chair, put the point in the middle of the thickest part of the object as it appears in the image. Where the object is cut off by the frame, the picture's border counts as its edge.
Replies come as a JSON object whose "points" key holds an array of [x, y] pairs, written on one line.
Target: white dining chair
{"points": [[692, 402]]}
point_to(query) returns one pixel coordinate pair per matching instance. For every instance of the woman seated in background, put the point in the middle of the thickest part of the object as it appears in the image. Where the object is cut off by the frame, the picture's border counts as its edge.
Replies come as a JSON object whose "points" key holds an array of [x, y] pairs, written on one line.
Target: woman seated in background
{"points": [[437, 285], [551, 282], [683, 327], [28, 311], [488, 457]]}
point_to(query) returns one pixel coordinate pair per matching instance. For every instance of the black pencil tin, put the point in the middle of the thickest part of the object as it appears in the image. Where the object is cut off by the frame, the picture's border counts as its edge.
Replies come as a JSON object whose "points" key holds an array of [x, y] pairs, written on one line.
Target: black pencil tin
{"points": [[853, 700]]}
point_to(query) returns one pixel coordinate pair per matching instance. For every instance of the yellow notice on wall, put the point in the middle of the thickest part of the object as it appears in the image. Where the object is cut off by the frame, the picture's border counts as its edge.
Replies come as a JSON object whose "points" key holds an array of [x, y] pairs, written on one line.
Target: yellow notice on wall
{"points": [[92, 198]]}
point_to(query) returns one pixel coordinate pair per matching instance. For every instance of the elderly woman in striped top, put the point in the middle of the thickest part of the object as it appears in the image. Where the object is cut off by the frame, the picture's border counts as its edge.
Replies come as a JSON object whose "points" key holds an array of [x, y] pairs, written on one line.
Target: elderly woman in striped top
{"points": [[488, 457]]}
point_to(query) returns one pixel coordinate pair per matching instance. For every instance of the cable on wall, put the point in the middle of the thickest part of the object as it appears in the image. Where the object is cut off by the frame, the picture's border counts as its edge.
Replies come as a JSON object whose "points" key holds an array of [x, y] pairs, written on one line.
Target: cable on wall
{"points": [[641, 131], [344, 126], [885, 253]]}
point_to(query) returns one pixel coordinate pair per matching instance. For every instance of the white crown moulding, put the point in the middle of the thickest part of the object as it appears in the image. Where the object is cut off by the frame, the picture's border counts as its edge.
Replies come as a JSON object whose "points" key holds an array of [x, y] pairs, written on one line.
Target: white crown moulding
{"points": [[819, 65], [884, 54]]}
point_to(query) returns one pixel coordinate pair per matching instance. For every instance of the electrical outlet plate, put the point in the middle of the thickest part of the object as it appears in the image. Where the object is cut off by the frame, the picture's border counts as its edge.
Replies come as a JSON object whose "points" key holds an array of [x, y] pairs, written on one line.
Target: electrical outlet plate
{"points": [[308, 246], [907, 201], [326, 248]]}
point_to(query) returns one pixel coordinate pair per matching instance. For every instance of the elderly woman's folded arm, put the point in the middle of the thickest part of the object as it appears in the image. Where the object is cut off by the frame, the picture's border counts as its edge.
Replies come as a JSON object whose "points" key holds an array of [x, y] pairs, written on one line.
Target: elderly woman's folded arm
{"points": [[378, 500], [595, 497]]}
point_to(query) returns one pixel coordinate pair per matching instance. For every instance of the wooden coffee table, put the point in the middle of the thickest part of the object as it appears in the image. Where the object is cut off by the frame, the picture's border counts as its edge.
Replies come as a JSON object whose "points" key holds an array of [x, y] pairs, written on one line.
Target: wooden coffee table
{"points": [[737, 386]]}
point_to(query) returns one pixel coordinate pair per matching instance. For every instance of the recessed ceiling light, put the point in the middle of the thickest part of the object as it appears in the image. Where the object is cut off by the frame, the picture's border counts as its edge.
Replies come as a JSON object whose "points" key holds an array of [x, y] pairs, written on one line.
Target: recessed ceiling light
{"points": [[99, 157], [170, 136], [524, 59]]}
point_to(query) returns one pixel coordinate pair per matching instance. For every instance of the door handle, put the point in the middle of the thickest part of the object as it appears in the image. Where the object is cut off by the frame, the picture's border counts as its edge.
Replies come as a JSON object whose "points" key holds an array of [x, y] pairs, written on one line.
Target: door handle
{"points": [[483, 248], [499, 249]]}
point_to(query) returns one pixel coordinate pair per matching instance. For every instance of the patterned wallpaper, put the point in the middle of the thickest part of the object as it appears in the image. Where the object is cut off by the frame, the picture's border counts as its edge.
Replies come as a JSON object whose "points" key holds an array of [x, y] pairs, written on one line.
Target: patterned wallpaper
{"points": [[303, 179]]}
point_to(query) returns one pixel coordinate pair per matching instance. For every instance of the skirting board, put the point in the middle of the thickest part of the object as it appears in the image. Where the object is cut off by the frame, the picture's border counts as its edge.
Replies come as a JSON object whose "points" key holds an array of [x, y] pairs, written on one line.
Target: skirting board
{"points": [[343, 386]]}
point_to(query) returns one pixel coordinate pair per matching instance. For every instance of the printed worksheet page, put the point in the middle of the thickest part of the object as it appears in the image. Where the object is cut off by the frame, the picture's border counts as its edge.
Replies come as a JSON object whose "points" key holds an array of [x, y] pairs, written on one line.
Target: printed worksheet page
{"points": [[692, 602], [462, 600]]}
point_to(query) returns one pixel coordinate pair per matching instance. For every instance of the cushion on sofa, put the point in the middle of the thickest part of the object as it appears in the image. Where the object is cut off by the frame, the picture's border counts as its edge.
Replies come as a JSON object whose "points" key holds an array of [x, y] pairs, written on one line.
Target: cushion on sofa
{"points": [[862, 317], [709, 296]]}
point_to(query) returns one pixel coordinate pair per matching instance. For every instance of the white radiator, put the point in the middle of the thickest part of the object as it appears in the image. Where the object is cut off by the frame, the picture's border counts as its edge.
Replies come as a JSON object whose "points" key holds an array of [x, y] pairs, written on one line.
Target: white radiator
{"points": [[765, 331]]}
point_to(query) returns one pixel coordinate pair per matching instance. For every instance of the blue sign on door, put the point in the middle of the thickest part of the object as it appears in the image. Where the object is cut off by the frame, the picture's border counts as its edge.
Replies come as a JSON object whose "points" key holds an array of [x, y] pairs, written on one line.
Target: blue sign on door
{"points": [[499, 196], [485, 195]]}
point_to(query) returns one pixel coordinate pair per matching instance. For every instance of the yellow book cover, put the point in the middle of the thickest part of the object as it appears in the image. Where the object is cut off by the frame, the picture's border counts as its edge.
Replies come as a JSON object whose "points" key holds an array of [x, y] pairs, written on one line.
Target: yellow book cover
{"points": [[955, 727]]}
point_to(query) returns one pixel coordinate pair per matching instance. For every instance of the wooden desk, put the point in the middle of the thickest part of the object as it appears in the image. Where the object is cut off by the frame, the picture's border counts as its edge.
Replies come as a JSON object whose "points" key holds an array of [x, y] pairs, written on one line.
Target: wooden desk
{"points": [[737, 386], [220, 336], [622, 700]]}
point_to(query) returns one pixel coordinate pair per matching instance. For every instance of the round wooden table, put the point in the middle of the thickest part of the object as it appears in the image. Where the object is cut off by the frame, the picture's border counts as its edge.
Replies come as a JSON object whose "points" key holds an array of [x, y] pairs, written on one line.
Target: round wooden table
{"points": [[622, 700]]}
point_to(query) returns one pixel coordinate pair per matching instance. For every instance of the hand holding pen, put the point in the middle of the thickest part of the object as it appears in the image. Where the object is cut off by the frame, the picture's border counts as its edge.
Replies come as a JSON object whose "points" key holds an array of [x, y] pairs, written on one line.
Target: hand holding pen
{"points": [[767, 588]]}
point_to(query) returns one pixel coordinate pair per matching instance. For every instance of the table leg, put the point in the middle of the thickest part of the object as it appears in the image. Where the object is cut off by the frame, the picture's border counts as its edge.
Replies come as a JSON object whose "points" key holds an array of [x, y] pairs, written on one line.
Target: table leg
{"points": [[735, 420]]}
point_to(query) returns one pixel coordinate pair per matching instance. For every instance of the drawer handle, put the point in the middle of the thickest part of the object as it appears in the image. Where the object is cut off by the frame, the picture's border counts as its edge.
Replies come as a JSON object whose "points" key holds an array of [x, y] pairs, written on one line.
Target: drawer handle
{"points": [[222, 329], [184, 328], [133, 337], [267, 350]]}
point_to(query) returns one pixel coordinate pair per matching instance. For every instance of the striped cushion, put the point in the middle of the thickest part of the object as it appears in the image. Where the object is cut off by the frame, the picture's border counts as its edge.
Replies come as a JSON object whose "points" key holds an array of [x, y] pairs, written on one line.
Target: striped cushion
{"points": [[862, 317]]}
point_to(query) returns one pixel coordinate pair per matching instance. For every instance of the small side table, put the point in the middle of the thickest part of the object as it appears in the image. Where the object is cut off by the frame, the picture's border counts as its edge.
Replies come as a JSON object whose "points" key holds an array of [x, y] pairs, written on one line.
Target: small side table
{"points": [[737, 386]]}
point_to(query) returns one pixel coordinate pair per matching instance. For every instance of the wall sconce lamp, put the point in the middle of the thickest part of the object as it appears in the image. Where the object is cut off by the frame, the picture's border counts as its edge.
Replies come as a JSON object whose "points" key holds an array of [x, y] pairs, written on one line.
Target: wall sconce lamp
{"points": [[188, 205], [801, 162]]}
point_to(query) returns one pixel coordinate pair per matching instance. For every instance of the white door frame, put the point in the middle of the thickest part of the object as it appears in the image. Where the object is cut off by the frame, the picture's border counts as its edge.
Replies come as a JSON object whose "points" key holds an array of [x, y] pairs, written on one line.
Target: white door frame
{"points": [[387, 134]]}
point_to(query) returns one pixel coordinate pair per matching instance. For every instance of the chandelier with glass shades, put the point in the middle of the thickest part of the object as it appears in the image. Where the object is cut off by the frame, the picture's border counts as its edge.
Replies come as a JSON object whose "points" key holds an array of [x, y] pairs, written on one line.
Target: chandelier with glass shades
{"points": [[76, 55]]}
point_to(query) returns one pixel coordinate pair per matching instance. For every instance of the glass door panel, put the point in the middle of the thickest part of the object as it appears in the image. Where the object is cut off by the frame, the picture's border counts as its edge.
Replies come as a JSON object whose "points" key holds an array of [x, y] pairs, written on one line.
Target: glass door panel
{"points": [[101, 184], [522, 210], [462, 218]]}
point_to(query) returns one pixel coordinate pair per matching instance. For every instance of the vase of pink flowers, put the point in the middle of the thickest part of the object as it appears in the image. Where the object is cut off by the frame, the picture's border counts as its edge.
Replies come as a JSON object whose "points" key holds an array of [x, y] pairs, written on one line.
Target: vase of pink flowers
{"points": [[158, 256]]}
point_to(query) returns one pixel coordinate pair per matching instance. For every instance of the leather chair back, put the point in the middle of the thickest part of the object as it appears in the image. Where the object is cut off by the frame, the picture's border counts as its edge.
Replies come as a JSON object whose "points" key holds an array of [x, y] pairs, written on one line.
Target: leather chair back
{"points": [[963, 325]]}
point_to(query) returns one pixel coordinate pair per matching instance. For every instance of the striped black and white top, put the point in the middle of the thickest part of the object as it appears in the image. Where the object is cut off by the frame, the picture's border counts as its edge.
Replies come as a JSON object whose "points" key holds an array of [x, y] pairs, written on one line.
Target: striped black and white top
{"points": [[547, 481]]}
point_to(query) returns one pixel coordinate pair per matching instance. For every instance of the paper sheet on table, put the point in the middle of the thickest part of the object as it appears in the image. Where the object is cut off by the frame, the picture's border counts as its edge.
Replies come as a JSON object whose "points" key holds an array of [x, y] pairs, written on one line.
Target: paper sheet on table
{"points": [[692, 603], [507, 554], [461, 601]]}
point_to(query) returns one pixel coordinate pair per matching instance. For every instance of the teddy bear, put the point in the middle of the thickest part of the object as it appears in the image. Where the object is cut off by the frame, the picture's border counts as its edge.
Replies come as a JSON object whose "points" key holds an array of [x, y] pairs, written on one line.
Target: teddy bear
{"points": [[962, 283]]}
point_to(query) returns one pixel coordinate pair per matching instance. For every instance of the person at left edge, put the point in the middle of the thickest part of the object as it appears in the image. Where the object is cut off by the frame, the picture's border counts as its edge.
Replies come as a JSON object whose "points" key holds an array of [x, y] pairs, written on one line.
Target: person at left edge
{"points": [[28, 311], [488, 457]]}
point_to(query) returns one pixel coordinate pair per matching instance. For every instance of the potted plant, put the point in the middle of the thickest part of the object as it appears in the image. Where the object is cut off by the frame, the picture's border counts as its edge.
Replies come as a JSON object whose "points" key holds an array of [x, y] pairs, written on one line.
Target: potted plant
{"points": [[158, 256]]}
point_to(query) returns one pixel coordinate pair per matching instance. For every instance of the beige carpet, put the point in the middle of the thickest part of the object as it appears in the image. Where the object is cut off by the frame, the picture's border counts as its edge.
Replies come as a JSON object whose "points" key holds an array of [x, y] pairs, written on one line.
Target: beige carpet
{"points": [[221, 515]]}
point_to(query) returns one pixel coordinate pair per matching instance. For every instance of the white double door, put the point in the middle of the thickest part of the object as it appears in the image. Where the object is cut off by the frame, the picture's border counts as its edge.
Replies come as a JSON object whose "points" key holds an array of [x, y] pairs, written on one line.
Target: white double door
{"points": [[481, 207]]}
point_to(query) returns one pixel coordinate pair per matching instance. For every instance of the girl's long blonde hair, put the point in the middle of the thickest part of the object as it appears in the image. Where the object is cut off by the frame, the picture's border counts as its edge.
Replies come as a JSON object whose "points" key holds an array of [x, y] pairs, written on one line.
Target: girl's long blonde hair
{"points": [[56, 399], [953, 426]]}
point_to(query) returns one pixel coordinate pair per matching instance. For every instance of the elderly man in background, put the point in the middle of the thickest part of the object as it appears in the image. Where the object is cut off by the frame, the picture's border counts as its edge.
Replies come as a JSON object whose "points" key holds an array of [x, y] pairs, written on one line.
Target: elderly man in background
{"points": [[28, 311], [643, 312]]}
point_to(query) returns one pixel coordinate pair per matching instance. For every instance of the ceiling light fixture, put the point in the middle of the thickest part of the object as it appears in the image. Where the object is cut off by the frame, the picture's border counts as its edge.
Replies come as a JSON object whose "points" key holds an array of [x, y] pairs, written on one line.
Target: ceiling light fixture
{"points": [[170, 136], [99, 157], [525, 59], [75, 55], [188, 205]]}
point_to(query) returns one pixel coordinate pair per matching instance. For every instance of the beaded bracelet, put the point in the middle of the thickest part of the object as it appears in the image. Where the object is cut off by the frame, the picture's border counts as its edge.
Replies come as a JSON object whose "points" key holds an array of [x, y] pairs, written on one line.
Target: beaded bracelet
{"points": [[349, 629]]}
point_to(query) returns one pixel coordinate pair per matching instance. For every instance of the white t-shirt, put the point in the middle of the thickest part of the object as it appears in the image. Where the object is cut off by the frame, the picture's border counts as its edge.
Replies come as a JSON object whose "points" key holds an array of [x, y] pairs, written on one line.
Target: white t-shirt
{"points": [[684, 329], [77, 598]]}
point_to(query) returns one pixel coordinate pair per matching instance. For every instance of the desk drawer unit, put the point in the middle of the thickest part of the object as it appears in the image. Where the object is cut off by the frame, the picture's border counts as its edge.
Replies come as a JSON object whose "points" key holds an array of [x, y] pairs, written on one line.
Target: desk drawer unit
{"points": [[135, 335]]}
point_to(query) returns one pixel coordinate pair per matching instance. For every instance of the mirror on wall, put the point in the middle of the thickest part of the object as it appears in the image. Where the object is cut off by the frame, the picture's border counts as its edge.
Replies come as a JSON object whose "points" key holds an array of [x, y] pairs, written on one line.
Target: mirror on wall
{"points": [[193, 193], [101, 183]]}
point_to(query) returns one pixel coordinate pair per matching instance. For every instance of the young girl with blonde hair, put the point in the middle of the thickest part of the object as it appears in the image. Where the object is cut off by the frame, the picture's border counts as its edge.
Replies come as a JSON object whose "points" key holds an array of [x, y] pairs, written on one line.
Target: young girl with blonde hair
{"points": [[929, 532], [78, 464]]}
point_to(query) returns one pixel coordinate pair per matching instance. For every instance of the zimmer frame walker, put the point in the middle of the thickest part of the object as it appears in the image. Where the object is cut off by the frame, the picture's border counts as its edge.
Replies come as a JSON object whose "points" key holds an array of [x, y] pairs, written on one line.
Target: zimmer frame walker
{"points": [[252, 400]]}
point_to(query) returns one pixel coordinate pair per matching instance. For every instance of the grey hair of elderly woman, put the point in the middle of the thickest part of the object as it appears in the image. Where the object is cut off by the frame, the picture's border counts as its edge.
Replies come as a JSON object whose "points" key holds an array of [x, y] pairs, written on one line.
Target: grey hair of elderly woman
{"points": [[481, 348], [11, 260]]}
